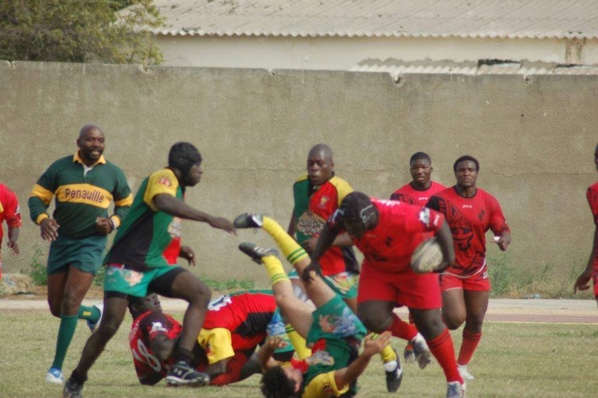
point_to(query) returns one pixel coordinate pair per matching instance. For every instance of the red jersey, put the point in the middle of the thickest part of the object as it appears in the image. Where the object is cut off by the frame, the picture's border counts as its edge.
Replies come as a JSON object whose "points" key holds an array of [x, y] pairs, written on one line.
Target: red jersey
{"points": [[401, 228], [245, 314], [9, 209], [592, 195], [144, 330], [313, 207], [413, 196], [469, 219]]}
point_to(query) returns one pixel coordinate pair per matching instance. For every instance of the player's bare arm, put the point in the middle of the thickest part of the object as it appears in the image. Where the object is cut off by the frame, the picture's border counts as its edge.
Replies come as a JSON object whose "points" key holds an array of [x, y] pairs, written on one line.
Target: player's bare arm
{"points": [[175, 207], [371, 346], [13, 235], [584, 279], [445, 240], [188, 254], [327, 236], [504, 241]]}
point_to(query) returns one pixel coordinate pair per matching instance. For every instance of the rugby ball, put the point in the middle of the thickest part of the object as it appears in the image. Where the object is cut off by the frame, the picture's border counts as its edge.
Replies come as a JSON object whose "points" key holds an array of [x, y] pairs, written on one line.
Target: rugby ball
{"points": [[426, 257]]}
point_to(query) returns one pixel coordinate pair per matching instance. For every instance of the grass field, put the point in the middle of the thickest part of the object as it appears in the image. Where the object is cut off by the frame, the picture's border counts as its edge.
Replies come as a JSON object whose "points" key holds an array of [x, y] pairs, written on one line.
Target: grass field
{"points": [[513, 360]]}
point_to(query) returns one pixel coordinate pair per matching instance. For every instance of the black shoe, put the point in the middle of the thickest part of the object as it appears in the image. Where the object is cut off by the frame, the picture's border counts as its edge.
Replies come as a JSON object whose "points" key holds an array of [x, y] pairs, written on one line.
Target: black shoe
{"points": [[72, 389], [181, 374], [249, 220], [256, 252], [394, 378]]}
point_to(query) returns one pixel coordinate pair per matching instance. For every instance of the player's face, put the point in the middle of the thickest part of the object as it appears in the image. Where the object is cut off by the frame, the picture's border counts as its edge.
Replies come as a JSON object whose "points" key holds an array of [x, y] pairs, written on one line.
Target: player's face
{"points": [[319, 168], [354, 227], [295, 375], [91, 145], [420, 171], [152, 302], [195, 173], [466, 174]]}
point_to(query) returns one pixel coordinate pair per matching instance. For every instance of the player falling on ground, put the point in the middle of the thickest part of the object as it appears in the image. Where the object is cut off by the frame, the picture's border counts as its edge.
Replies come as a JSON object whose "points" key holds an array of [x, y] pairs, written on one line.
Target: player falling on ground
{"points": [[333, 331], [465, 286], [417, 192], [235, 325]]}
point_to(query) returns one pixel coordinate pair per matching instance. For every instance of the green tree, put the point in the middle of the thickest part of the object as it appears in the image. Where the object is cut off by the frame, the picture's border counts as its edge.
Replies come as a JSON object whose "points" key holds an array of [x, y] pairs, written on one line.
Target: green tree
{"points": [[106, 31]]}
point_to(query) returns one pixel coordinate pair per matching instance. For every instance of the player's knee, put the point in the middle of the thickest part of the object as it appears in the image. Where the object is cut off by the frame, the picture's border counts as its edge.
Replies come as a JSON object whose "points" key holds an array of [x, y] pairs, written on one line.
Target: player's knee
{"points": [[376, 322], [453, 323]]}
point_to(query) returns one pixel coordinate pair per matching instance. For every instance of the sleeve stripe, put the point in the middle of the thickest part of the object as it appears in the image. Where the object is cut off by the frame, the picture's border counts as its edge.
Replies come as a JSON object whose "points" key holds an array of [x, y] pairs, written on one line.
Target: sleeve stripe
{"points": [[42, 193], [128, 201]]}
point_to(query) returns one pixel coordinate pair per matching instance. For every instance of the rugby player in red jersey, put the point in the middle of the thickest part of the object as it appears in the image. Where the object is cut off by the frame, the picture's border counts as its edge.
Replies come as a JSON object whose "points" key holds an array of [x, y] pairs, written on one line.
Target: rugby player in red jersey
{"points": [[10, 212], [421, 188], [387, 233], [235, 325], [417, 192], [470, 213], [591, 270]]}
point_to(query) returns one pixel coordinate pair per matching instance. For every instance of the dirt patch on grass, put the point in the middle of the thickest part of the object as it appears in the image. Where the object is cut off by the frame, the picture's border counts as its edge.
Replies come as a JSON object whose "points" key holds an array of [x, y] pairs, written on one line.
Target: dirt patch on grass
{"points": [[21, 287]]}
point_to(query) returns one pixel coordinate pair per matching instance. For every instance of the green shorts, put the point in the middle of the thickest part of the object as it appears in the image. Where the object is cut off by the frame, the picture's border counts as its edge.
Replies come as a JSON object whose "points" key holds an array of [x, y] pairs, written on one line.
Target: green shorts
{"points": [[85, 254], [133, 283], [335, 320], [344, 284]]}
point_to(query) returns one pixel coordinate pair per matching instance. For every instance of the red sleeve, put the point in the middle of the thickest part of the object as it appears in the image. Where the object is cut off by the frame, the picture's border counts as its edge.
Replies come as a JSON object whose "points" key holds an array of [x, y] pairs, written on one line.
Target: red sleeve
{"points": [[592, 195], [497, 223], [233, 370], [12, 210]]}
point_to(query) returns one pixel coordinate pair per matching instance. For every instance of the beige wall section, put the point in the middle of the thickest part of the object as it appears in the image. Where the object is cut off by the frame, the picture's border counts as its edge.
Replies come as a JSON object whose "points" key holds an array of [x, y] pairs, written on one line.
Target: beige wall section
{"points": [[534, 138]]}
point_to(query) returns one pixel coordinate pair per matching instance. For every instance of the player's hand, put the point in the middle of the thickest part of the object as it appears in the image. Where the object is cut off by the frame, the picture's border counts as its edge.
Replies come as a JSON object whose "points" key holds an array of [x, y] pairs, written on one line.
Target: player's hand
{"points": [[275, 342], [188, 254], [442, 267], [583, 281], [104, 226], [310, 244], [49, 229], [14, 247], [308, 272], [374, 343], [503, 242], [223, 223]]}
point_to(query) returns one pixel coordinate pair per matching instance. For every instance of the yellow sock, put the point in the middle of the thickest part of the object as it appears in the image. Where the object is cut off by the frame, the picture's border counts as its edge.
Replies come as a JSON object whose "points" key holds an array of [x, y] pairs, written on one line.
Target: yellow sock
{"points": [[388, 354], [289, 247], [275, 270], [298, 342]]}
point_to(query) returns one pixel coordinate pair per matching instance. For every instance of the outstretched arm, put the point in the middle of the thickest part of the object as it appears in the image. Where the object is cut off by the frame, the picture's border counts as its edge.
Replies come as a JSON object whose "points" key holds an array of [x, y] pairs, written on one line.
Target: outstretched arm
{"points": [[176, 207], [327, 237], [371, 347]]}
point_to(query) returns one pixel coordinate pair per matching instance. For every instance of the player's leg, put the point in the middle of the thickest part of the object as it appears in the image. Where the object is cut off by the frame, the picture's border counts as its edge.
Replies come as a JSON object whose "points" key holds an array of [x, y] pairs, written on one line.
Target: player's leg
{"points": [[294, 310], [453, 301], [76, 285], [476, 303], [180, 283]]}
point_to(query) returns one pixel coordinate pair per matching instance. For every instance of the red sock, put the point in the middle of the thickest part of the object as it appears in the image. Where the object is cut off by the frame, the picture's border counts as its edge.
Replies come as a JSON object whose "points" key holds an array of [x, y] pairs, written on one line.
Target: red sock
{"points": [[402, 329], [468, 346], [442, 348]]}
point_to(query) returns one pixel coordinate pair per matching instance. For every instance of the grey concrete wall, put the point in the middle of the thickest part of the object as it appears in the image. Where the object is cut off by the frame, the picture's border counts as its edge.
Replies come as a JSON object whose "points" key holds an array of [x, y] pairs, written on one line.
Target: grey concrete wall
{"points": [[534, 138]]}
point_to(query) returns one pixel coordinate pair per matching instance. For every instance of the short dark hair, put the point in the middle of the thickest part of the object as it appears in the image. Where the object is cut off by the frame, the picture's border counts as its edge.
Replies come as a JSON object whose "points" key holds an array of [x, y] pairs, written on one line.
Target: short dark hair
{"points": [[420, 156], [464, 158], [276, 384], [183, 155]]}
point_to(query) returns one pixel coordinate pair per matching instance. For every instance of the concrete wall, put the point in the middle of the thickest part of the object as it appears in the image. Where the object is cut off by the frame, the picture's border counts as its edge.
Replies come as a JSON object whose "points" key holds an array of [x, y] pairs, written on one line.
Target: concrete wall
{"points": [[534, 138]]}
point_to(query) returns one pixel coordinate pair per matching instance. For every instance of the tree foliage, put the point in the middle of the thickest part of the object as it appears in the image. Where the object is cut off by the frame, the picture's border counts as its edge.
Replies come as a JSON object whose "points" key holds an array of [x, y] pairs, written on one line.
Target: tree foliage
{"points": [[106, 31]]}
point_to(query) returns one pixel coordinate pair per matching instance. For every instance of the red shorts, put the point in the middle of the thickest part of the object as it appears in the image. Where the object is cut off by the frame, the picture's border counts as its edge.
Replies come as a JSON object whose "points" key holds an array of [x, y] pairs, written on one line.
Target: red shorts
{"points": [[418, 291], [479, 281]]}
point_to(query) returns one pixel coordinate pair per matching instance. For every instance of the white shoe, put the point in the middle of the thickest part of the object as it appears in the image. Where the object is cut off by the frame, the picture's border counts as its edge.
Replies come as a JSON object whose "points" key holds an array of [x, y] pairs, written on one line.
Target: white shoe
{"points": [[421, 350], [54, 376], [464, 372], [94, 325], [455, 390]]}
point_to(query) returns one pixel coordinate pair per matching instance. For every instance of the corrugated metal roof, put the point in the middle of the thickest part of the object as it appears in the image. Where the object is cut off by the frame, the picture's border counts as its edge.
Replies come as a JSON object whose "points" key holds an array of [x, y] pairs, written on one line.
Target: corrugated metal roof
{"points": [[382, 18], [396, 68]]}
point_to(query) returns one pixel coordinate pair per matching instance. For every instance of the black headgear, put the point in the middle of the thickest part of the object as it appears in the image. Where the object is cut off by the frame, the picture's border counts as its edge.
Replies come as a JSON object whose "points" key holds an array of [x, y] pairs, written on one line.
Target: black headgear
{"points": [[183, 156], [357, 205]]}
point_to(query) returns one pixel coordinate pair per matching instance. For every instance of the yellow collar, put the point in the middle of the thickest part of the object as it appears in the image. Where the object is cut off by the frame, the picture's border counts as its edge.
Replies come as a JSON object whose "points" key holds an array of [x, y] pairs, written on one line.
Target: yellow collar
{"points": [[78, 159]]}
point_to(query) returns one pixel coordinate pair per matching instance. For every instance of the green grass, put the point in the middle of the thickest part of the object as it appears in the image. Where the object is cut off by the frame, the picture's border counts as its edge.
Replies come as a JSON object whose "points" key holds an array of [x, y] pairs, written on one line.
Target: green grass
{"points": [[513, 360]]}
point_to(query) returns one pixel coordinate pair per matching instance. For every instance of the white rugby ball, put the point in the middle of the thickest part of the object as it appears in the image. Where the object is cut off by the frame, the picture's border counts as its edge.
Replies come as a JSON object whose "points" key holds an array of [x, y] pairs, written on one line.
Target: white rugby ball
{"points": [[426, 257]]}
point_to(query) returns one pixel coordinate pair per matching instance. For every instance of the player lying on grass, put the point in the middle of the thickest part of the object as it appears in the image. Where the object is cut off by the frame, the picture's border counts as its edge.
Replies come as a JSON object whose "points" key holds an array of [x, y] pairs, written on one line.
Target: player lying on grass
{"points": [[235, 325], [332, 330]]}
